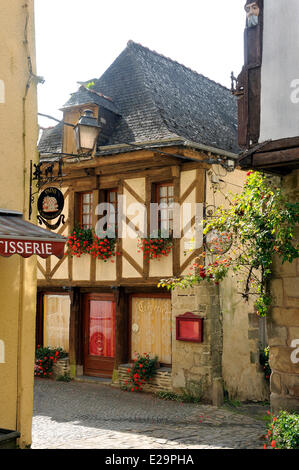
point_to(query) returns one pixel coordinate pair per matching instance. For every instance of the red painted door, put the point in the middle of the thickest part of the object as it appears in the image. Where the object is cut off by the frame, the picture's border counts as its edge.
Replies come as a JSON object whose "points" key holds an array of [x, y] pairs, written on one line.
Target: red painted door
{"points": [[99, 335]]}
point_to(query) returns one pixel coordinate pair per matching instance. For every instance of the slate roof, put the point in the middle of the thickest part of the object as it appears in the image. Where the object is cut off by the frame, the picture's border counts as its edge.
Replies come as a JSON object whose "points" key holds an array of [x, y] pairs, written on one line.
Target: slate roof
{"points": [[51, 140], [158, 100]]}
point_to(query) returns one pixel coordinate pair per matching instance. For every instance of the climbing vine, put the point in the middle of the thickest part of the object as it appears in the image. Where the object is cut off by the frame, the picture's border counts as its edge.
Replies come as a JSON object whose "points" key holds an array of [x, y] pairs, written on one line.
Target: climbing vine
{"points": [[261, 222]]}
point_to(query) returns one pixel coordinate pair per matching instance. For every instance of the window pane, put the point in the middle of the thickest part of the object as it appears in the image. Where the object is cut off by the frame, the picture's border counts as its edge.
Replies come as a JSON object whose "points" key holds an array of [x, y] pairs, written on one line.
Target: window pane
{"points": [[163, 191], [86, 209], [163, 199], [112, 196], [170, 191], [86, 198]]}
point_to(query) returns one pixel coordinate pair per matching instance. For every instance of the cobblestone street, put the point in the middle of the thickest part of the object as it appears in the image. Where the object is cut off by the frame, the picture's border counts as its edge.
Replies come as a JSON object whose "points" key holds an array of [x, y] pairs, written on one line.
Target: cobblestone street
{"points": [[92, 416]]}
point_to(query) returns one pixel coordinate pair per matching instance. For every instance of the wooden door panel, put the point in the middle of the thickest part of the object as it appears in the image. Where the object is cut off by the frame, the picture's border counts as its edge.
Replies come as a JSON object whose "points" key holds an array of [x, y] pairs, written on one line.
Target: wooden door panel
{"points": [[56, 321], [151, 327]]}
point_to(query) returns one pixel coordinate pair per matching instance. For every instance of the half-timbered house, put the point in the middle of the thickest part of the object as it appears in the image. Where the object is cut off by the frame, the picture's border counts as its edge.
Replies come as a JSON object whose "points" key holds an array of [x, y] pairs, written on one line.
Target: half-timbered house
{"points": [[168, 134]]}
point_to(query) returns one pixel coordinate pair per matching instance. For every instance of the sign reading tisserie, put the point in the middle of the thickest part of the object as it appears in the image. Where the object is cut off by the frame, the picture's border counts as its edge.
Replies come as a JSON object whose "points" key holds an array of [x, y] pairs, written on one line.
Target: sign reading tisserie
{"points": [[26, 248]]}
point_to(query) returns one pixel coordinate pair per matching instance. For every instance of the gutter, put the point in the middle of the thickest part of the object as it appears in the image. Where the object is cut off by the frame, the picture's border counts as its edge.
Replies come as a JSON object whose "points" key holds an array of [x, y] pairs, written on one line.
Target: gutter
{"points": [[175, 140]]}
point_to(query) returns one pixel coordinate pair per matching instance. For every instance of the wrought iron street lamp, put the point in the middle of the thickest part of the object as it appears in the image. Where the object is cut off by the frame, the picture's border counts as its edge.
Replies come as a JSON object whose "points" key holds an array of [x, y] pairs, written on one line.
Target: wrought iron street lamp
{"points": [[86, 132]]}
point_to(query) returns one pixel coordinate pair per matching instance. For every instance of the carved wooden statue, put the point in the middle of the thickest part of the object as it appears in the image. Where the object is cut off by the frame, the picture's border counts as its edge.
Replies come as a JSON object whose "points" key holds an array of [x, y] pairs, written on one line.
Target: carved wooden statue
{"points": [[252, 12]]}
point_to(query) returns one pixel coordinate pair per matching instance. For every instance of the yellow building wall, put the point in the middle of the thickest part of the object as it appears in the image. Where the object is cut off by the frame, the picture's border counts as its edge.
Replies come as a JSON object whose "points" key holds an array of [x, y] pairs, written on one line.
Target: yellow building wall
{"points": [[18, 137]]}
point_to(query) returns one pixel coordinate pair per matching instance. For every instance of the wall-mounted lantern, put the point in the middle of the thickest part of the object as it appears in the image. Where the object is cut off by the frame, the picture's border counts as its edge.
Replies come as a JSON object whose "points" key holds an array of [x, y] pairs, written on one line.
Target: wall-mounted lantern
{"points": [[189, 327], [86, 132]]}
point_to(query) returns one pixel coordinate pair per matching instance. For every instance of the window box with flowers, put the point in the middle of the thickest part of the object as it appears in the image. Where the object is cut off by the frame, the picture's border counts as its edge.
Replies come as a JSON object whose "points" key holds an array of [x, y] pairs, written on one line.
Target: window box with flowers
{"points": [[155, 248], [85, 241]]}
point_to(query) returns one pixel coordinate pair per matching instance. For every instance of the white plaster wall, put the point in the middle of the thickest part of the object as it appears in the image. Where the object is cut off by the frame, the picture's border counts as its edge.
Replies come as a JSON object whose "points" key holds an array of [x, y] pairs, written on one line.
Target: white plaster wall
{"points": [[280, 70]]}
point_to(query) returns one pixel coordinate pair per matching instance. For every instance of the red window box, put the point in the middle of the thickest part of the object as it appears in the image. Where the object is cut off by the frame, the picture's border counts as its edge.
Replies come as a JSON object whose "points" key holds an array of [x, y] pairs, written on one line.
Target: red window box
{"points": [[189, 327]]}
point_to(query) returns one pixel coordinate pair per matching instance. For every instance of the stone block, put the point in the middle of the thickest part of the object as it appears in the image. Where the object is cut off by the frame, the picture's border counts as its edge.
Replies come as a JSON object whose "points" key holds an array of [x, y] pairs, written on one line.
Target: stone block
{"points": [[253, 320], [178, 379], [277, 292], [277, 335], [280, 360], [61, 368], [283, 402], [217, 392], [253, 334], [283, 269], [291, 385], [293, 334], [292, 302], [291, 286], [275, 383], [254, 357], [291, 181], [285, 316]]}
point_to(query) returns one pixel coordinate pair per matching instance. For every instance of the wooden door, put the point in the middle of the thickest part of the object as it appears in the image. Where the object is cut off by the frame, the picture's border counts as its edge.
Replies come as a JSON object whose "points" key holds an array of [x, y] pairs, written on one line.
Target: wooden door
{"points": [[56, 322], [151, 326], [99, 335]]}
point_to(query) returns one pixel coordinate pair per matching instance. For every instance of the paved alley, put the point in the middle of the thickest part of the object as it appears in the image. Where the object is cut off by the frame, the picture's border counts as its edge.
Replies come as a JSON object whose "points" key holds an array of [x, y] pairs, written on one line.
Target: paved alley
{"points": [[72, 415]]}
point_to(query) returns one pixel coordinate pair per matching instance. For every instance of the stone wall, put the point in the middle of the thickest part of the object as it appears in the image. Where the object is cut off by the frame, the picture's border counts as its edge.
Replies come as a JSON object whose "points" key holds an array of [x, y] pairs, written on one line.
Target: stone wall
{"points": [[283, 324], [197, 367], [61, 368], [161, 381], [243, 338]]}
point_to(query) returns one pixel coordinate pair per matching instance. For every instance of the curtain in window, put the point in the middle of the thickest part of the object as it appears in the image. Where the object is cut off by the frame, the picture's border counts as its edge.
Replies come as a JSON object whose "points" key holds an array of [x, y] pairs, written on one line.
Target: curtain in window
{"points": [[101, 328]]}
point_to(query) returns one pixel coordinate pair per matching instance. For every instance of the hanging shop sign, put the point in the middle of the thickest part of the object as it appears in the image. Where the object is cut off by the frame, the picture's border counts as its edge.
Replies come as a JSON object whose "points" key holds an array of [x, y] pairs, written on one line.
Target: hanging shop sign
{"points": [[217, 242], [50, 205]]}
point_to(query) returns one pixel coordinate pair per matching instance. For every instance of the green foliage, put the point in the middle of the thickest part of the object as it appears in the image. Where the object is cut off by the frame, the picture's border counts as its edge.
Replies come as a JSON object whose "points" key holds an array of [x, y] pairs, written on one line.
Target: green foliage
{"points": [[283, 431], [233, 403], [89, 85], [142, 371], [45, 358], [164, 395], [264, 361], [261, 222], [185, 397], [64, 378]]}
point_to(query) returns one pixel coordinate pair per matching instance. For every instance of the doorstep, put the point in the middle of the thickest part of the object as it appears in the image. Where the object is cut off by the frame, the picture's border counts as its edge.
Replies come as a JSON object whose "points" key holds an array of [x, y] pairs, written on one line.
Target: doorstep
{"points": [[93, 380]]}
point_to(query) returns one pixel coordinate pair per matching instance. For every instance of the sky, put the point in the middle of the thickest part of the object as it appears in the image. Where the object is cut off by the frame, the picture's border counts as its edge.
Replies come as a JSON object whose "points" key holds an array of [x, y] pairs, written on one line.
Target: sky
{"points": [[77, 40]]}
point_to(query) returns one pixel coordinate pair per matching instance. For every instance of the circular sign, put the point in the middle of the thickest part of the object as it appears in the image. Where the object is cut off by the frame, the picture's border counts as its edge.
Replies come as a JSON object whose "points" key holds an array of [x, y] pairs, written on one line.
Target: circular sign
{"points": [[217, 242], [50, 203]]}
